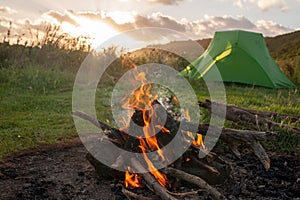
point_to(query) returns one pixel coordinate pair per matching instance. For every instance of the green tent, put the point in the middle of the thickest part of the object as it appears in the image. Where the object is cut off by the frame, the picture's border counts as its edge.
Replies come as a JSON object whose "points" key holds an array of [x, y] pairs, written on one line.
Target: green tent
{"points": [[240, 56]]}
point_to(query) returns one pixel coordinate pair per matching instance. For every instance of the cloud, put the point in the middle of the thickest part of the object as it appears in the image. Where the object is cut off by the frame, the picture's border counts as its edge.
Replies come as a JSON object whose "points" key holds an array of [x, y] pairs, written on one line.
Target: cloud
{"points": [[7, 10], [88, 15], [206, 27], [129, 20], [90, 22], [158, 20], [202, 28], [61, 17], [165, 2], [264, 5], [271, 28], [196, 29], [211, 24]]}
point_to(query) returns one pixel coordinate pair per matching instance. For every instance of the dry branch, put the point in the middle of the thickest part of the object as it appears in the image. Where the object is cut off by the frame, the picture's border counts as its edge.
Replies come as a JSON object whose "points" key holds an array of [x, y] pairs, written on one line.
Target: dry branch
{"points": [[260, 152], [205, 166], [230, 136], [130, 195], [203, 128], [194, 180], [234, 149], [274, 115], [237, 114], [185, 194], [250, 138], [112, 132]]}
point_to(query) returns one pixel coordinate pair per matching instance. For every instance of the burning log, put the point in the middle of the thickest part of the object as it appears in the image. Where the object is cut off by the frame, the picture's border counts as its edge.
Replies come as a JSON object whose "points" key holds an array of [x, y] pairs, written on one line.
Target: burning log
{"points": [[152, 182], [112, 134], [242, 115], [149, 179], [228, 135], [232, 136]]}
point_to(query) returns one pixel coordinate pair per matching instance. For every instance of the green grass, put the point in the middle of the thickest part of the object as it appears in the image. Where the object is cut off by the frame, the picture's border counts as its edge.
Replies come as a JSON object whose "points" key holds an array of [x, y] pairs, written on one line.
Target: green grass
{"points": [[259, 98], [34, 111], [271, 100], [280, 101]]}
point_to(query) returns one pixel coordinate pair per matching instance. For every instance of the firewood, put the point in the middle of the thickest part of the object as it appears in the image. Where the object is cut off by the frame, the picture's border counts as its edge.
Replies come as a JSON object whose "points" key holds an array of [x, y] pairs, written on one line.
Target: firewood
{"points": [[236, 114], [112, 132], [130, 194], [194, 180], [247, 136], [272, 115], [212, 171], [152, 182], [260, 152], [209, 168], [250, 138], [234, 149], [185, 194], [203, 128]]}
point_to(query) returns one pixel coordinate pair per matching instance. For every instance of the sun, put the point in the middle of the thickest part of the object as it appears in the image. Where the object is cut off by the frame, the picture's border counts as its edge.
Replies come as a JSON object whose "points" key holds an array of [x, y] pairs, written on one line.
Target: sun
{"points": [[97, 31]]}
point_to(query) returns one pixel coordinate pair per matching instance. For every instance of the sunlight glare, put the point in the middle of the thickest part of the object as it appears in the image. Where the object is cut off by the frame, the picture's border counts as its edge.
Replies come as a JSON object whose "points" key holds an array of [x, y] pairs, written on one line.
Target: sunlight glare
{"points": [[97, 31]]}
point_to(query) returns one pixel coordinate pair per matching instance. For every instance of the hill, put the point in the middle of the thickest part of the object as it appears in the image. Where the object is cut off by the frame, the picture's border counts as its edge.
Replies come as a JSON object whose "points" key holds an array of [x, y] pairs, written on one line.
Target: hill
{"points": [[279, 46], [285, 50], [278, 43]]}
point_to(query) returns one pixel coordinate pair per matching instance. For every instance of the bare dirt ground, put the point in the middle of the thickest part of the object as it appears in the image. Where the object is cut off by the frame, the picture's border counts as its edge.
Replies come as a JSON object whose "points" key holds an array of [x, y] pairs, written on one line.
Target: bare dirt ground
{"points": [[63, 172]]}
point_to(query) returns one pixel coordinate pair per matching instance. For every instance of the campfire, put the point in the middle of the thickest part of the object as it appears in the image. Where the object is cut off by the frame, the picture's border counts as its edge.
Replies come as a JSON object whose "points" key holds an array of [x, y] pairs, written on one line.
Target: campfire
{"points": [[151, 134]]}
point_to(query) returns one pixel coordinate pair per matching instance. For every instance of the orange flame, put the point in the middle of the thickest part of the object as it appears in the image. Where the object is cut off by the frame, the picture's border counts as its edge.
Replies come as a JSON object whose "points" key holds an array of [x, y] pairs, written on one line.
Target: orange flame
{"points": [[162, 128], [175, 100], [198, 141], [141, 99], [132, 180], [160, 177]]}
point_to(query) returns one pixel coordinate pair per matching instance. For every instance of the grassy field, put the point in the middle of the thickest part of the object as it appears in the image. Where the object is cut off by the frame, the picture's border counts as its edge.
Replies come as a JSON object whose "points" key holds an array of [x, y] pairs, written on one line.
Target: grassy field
{"points": [[32, 110], [36, 91], [36, 106]]}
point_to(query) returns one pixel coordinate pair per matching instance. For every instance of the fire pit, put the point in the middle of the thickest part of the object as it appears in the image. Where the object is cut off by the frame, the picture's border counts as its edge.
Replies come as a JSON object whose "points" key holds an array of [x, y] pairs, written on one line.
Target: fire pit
{"points": [[146, 130]]}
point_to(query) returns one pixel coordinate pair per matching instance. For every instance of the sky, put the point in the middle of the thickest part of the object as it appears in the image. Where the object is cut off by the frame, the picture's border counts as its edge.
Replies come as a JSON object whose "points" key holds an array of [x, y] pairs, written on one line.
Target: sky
{"points": [[103, 19]]}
